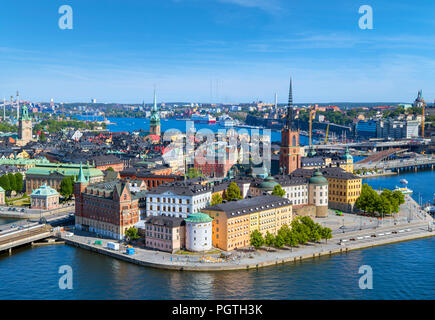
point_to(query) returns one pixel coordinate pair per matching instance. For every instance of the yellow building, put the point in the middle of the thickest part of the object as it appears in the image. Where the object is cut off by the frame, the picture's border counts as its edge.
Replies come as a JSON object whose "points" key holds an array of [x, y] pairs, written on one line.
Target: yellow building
{"points": [[234, 221], [344, 187]]}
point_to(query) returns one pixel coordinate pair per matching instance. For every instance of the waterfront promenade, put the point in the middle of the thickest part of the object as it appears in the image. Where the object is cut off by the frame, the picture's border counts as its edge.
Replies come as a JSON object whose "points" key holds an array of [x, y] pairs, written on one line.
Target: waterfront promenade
{"points": [[241, 260]]}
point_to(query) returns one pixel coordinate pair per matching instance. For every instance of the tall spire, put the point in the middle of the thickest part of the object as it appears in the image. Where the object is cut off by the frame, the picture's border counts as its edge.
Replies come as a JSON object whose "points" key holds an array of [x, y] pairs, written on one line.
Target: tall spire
{"points": [[155, 100], [289, 123]]}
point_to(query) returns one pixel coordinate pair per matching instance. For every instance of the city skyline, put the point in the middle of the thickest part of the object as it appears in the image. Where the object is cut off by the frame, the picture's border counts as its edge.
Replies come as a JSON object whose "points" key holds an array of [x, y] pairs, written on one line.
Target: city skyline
{"points": [[221, 51]]}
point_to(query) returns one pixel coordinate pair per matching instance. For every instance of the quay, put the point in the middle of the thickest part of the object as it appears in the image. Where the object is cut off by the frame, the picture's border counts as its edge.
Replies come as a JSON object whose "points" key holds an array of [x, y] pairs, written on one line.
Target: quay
{"points": [[339, 244]]}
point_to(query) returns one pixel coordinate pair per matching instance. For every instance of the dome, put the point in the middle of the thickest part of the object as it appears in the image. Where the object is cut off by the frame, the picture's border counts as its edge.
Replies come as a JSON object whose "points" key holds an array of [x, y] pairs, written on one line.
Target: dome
{"points": [[347, 155], [268, 184], [318, 179], [198, 217]]}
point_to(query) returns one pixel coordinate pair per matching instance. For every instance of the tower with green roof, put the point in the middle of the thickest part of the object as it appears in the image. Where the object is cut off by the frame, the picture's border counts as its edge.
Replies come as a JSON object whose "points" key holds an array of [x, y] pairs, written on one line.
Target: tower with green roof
{"points": [[347, 157], [155, 118], [24, 127], [79, 186]]}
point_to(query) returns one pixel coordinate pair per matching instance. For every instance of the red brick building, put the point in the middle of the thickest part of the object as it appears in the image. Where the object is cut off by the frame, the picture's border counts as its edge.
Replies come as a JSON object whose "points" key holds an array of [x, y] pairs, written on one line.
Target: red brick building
{"points": [[106, 208]]}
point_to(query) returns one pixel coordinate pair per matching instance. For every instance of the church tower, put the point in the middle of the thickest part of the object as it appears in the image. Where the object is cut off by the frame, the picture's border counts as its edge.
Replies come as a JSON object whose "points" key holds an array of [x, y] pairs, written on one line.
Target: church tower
{"points": [[290, 153], [79, 187], [155, 118], [24, 127]]}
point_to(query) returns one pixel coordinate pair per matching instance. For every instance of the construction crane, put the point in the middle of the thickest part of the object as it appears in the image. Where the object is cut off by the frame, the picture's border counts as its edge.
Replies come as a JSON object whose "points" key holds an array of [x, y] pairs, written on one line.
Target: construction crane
{"points": [[311, 116], [326, 135]]}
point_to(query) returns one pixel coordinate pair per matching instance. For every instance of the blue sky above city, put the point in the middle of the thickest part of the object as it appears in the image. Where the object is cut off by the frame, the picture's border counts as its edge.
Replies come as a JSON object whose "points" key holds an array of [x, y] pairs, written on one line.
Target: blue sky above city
{"points": [[224, 51]]}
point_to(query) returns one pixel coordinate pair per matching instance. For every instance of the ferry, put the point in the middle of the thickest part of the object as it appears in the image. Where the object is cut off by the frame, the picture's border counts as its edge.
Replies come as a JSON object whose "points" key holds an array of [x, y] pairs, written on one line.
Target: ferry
{"points": [[202, 118], [226, 121], [404, 190]]}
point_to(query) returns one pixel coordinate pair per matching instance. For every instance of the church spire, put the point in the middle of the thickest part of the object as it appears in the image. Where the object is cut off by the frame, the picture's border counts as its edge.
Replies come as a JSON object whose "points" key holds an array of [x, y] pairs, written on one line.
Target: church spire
{"points": [[81, 178], [289, 123]]}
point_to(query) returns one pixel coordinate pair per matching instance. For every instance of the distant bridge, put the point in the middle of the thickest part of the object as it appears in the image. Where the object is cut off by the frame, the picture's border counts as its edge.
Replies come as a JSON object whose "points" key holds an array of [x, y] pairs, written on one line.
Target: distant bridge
{"points": [[427, 162], [18, 238], [375, 145]]}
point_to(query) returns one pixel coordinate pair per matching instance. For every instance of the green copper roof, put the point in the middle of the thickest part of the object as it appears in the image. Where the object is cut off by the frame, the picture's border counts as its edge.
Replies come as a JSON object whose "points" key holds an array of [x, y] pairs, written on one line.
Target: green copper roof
{"points": [[155, 118], [347, 155], [318, 179], [64, 169], [44, 190], [24, 113], [268, 184], [199, 217], [81, 178]]}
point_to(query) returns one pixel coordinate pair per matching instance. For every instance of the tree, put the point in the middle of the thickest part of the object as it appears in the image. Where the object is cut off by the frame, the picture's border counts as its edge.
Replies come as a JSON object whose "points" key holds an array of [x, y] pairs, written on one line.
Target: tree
{"points": [[216, 199], [12, 183], [301, 231], [67, 187], [18, 182], [257, 239], [279, 241], [233, 192], [269, 239], [326, 233], [4, 182], [132, 234], [368, 201], [193, 173], [278, 191], [42, 137], [110, 169]]}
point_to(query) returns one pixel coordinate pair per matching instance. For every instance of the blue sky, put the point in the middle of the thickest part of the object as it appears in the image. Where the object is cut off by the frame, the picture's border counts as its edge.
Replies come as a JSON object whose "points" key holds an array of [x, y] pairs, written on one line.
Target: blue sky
{"points": [[217, 50]]}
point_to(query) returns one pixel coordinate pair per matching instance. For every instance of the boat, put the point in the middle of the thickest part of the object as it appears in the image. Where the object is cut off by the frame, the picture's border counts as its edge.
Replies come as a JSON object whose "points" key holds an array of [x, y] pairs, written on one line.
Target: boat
{"points": [[404, 181], [202, 118], [404, 190], [226, 121]]}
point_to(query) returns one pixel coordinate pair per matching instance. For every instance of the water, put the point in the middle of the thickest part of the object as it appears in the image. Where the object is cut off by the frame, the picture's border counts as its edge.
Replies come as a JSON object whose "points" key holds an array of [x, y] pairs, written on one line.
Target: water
{"points": [[400, 271], [420, 182], [132, 124]]}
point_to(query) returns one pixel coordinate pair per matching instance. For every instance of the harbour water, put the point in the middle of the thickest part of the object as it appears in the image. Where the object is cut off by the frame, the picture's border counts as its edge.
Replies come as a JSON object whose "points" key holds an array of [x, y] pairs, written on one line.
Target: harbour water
{"points": [[132, 124], [400, 271]]}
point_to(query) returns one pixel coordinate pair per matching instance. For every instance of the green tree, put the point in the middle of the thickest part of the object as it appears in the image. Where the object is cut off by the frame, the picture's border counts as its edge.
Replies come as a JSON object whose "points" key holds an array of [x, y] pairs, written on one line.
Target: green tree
{"points": [[278, 191], [110, 169], [67, 187], [132, 234], [269, 239], [233, 192], [301, 231], [193, 173], [368, 201], [257, 239], [326, 233], [12, 183], [4, 182], [42, 137], [18, 182], [216, 199], [279, 240]]}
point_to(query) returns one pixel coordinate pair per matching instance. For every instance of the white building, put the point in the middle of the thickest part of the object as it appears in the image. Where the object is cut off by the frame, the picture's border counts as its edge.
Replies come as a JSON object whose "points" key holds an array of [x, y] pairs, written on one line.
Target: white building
{"points": [[198, 232], [177, 199], [318, 193]]}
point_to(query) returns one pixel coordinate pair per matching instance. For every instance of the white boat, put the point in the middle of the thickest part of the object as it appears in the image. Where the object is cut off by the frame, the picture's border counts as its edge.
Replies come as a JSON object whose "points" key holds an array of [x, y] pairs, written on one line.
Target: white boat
{"points": [[404, 181], [226, 121], [203, 118], [404, 190]]}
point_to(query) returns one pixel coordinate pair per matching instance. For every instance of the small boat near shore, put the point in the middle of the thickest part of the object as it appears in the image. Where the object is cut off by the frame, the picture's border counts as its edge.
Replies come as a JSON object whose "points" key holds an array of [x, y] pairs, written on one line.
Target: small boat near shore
{"points": [[404, 190]]}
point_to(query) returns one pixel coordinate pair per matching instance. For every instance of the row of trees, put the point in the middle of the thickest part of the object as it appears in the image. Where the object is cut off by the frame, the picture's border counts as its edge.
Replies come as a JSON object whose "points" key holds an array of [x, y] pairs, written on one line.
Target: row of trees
{"points": [[386, 203], [302, 231], [12, 182]]}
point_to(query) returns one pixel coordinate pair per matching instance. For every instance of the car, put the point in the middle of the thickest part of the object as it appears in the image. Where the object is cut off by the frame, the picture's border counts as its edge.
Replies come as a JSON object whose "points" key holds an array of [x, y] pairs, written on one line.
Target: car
{"points": [[352, 239], [373, 235], [394, 231]]}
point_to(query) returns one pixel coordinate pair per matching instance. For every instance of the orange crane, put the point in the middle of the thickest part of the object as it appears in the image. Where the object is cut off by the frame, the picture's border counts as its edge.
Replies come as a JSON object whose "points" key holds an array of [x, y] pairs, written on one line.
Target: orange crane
{"points": [[311, 116], [326, 135]]}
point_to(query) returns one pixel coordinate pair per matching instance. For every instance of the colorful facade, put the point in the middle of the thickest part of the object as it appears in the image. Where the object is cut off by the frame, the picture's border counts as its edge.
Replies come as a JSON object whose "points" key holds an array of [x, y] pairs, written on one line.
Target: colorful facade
{"points": [[234, 221]]}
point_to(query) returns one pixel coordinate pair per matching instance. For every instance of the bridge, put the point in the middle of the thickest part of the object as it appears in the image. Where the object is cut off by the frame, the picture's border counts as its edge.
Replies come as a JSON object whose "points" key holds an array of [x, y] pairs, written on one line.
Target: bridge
{"points": [[381, 155], [26, 235], [426, 162], [375, 145]]}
